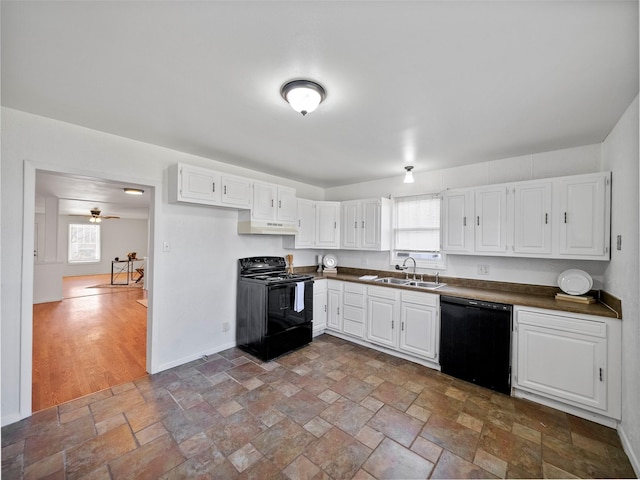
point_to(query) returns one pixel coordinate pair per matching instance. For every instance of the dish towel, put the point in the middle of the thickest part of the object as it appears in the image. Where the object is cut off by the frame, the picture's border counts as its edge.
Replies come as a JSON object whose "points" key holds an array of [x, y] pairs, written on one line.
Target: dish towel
{"points": [[299, 300]]}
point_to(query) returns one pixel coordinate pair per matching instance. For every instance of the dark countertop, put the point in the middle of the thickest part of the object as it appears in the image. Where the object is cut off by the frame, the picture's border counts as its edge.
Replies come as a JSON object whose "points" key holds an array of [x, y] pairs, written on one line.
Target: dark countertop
{"points": [[500, 292]]}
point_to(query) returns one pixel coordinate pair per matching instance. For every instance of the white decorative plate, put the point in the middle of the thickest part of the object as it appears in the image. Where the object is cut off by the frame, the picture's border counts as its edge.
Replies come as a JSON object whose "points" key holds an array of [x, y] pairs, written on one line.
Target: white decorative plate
{"points": [[330, 261], [575, 282]]}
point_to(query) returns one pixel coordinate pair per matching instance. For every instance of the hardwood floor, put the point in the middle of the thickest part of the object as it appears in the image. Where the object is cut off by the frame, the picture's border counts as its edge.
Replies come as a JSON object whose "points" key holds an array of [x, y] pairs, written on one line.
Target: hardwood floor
{"points": [[95, 338]]}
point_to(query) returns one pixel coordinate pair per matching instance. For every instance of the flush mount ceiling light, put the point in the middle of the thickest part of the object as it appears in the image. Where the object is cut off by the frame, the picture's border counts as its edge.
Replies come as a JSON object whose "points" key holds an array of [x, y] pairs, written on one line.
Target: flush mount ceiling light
{"points": [[304, 96], [133, 191], [408, 177]]}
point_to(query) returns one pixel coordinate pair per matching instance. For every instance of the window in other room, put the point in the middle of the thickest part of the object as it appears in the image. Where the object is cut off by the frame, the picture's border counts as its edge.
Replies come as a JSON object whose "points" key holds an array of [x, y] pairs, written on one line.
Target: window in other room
{"points": [[416, 231], [84, 243]]}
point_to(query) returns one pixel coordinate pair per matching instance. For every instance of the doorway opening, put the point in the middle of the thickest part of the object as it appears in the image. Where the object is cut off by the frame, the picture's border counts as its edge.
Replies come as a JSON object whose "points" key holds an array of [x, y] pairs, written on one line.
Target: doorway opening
{"points": [[89, 327]]}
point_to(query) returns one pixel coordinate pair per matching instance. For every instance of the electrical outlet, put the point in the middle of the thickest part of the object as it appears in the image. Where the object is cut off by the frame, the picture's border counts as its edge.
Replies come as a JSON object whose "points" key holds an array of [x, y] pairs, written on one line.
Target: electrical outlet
{"points": [[166, 247], [619, 242], [225, 327], [483, 269]]}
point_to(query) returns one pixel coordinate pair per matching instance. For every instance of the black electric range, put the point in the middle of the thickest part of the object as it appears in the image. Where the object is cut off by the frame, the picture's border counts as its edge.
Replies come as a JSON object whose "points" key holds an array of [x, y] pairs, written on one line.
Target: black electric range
{"points": [[274, 307]]}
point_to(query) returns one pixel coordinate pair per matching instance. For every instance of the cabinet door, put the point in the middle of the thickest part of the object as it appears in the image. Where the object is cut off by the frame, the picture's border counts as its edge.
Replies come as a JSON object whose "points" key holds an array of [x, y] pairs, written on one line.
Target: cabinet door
{"points": [[370, 224], [319, 309], [350, 230], [306, 214], [418, 329], [286, 208], [334, 307], [264, 195], [491, 219], [532, 218], [236, 191], [562, 357], [327, 223], [381, 321], [582, 224], [199, 185], [457, 221]]}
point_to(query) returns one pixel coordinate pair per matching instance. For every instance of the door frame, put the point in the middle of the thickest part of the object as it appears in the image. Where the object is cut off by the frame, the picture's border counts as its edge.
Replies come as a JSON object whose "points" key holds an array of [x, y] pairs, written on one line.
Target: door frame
{"points": [[28, 236]]}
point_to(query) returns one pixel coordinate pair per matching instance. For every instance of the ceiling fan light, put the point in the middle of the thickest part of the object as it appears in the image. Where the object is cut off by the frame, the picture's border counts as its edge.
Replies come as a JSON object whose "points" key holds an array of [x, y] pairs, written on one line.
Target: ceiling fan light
{"points": [[408, 176], [133, 191], [304, 96]]}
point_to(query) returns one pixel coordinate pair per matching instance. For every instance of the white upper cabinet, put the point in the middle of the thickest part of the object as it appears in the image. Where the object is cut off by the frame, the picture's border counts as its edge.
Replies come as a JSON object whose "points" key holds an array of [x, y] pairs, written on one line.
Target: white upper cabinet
{"points": [[584, 224], [306, 221], [318, 225], [457, 221], [327, 224], [286, 206], [532, 217], [366, 224], [264, 198], [194, 185], [566, 217], [236, 191], [273, 203], [491, 219], [189, 184], [350, 229]]}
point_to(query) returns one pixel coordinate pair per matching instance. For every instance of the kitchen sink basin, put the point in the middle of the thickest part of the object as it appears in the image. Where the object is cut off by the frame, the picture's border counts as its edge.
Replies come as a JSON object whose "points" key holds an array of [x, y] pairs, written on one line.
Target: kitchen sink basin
{"points": [[410, 283], [393, 280], [428, 285]]}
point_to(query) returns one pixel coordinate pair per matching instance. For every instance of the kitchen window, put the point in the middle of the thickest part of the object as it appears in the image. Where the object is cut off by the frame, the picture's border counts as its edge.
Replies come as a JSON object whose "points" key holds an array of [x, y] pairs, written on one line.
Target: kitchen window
{"points": [[84, 243], [416, 231]]}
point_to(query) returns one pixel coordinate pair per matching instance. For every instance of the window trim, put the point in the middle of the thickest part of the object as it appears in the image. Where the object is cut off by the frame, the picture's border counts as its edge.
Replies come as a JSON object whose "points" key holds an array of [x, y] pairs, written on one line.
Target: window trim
{"points": [[99, 246], [396, 259]]}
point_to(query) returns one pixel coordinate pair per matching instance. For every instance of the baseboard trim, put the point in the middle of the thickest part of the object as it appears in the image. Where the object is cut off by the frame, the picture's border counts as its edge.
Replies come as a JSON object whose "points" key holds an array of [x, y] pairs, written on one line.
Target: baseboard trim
{"points": [[626, 445], [195, 356]]}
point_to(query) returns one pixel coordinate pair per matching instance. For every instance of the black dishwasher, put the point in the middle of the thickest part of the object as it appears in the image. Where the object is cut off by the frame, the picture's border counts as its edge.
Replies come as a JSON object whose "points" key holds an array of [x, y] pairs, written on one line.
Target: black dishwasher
{"points": [[475, 342]]}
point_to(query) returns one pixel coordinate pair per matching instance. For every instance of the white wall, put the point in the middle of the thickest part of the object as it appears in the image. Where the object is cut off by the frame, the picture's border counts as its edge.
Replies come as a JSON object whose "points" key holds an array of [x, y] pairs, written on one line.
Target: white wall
{"points": [[118, 237], [621, 278], [192, 287]]}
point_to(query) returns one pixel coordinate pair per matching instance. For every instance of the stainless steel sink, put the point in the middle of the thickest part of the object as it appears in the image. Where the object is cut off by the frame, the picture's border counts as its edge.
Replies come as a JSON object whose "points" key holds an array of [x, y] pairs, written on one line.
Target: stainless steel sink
{"points": [[427, 285], [410, 283], [393, 280]]}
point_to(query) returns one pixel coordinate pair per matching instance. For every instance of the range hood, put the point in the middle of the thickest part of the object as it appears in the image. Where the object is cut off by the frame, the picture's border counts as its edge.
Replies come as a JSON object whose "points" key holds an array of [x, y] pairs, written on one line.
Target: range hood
{"points": [[255, 227]]}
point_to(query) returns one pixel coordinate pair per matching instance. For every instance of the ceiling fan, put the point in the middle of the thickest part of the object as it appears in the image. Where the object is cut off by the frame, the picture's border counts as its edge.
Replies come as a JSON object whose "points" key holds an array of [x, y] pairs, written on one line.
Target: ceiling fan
{"points": [[95, 216]]}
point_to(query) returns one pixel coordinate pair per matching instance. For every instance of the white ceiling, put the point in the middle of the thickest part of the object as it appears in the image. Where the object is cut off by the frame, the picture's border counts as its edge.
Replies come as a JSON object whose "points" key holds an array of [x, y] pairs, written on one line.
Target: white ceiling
{"points": [[428, 83]]}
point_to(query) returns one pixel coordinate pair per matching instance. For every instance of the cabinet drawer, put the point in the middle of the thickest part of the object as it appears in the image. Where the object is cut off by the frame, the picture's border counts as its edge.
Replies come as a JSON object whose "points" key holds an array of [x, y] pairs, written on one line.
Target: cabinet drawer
{"points": [[383, 292], [353, 299], [353, 314], [353, 328], [354, 288], [320, 286], [582, 326], [421, 298]]}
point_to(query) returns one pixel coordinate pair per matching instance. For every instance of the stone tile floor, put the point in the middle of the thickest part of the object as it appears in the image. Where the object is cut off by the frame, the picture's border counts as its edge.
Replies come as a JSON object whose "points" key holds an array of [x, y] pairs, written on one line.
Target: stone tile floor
{"points": [[330, 410]]}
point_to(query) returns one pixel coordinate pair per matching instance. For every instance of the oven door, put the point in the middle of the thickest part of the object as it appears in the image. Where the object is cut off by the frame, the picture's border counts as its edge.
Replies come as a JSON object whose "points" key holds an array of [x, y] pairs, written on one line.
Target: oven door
{"points": [[281, 303]]}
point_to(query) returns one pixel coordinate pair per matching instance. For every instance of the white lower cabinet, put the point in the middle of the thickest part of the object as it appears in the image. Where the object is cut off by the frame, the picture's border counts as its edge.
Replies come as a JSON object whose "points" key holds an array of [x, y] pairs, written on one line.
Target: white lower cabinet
{"points": [[319, 306], [382, 316], [419, 324], [334, 305], [569, 358], [406, 321]]}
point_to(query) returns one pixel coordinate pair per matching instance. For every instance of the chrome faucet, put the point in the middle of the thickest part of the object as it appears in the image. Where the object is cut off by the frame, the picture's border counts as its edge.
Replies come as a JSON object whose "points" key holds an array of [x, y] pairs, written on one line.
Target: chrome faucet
{"points": [[404, 264], [437, 278]]}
